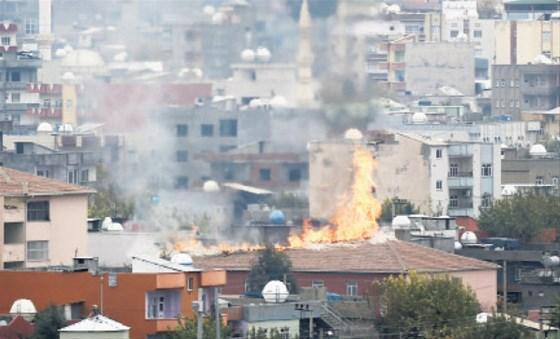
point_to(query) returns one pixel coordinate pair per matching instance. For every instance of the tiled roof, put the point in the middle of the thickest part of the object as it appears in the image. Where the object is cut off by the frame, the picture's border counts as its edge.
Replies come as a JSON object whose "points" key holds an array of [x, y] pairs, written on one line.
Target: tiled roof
{"points": [[97, 323], [388, 257], [17, 183]]}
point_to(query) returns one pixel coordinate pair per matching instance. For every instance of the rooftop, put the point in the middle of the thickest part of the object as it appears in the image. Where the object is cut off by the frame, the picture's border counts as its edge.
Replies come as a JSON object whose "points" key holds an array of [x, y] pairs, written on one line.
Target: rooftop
{"points": [[388, 257], [97, 323], [17, 183]]}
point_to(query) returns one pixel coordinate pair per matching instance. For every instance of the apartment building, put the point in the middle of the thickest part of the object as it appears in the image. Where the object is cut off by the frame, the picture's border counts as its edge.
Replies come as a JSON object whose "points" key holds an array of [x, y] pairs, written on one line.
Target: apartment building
{"points": [[151, 303], [520, 88], [440, 177], [44, 221], [17, 70], [520, 42]]}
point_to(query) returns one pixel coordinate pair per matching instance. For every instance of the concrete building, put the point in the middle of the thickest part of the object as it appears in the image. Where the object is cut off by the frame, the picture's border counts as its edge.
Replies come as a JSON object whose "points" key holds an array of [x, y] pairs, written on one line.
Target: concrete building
{"points": [[521, 42], [520, 88], [520, 168], [44, 221], [95, 326], [18, 70], [430, 66], [350, 270], [529, 9], [150, 303]]}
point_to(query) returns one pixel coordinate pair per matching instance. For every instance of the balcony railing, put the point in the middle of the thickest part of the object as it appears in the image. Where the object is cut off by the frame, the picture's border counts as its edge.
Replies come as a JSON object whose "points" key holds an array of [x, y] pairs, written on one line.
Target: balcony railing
{"points": [[460, 203], [13, 252]]}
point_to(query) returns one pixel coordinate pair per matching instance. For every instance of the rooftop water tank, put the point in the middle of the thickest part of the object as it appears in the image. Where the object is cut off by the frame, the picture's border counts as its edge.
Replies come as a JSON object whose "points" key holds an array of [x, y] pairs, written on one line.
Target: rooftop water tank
{"points": [[182, 259], [210, 186], [23, 306], [469, 238], [44, 127], [353, 134], [277, 217], [401, 221], [537, 150], [275, 291]]}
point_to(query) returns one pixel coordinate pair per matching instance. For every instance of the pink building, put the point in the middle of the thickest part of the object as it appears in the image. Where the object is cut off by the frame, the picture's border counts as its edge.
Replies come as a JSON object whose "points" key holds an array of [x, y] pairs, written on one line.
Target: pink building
{"points": [[350, 269], [44, 221]]}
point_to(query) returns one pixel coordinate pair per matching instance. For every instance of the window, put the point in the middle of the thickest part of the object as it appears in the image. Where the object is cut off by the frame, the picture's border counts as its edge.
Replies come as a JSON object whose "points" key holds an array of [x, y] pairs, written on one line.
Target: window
{"points": [[439, 153], [351, 288], [264, 174], [497, 83], [84, 177], [15, 76], [439, 185], [182, 156], [317, 283], [477, 34], [38, 250], [486, 170], [6, 40], [38, 211], [539, 180], [546, 36], [454, 33], [163, 304], [228, 128], [182, 130], [30, 26], [555, 181], [190, 284], [454, 170], [453, 201], [182, 182], [486, 201], [294, 175], [43, 173], [517, 274], [16, 98], [207, 130]]}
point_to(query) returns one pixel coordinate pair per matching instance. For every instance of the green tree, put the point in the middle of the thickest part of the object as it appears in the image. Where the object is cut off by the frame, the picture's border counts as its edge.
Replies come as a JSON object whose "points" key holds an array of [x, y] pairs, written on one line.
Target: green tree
{"points": [[48, 322], [496, 327], [401, 207], [187, 329], [271, 265], [423, 306], [109, 201], [521, 216]]}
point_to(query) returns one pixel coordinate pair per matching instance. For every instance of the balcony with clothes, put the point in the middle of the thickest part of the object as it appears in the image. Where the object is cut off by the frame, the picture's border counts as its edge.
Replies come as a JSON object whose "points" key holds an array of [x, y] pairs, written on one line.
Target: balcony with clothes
{"points": [[460, 173]]}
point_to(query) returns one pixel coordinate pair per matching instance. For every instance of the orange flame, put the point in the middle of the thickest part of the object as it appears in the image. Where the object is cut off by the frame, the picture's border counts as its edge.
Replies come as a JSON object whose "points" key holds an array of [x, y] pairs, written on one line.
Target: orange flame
{"points": [[357, 214]]}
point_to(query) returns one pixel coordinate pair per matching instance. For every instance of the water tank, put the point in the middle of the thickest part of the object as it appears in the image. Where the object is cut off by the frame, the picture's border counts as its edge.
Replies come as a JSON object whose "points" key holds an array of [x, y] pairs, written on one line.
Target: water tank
{"points": [[401, 221], [458, 245], [551, 261], [248, 55], [278, 102], [469, 238], [182, 259], [65, 128], [275, 291], [218, 18], [23, 306], [419, 118], [508, 190], [537, 150], [277, 217], [263, 54], [210, 186], [353, 134], [44, 127]]}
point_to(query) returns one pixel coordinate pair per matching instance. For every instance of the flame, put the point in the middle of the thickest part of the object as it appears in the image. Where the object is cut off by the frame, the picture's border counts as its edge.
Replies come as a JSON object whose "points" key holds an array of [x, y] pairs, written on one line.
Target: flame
{"points": [[355, 218], [357, 212]]}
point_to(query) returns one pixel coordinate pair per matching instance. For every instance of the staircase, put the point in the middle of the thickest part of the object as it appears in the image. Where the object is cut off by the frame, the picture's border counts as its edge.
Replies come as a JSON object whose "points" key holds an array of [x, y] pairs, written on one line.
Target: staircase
{"points": [[343, 328]]}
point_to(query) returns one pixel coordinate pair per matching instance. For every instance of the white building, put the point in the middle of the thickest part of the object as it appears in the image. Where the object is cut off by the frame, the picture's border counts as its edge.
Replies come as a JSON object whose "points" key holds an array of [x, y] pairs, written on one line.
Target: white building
{"points": [[95, 327]]}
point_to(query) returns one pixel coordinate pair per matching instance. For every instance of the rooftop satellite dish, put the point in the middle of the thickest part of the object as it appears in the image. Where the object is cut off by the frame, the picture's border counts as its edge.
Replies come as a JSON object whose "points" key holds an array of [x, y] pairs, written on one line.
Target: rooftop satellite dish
{"points": [[275, 292]]}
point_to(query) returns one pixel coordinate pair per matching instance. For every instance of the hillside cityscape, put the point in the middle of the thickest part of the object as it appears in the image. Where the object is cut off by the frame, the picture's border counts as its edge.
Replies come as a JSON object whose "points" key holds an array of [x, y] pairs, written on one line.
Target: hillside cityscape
{"points": [[279, 169]]}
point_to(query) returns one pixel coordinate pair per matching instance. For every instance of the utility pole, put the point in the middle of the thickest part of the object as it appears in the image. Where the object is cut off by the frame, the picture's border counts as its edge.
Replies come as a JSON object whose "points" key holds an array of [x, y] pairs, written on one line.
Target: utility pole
{"points": [[504, 285], [199, 309], [310, 324], [217, 307]]}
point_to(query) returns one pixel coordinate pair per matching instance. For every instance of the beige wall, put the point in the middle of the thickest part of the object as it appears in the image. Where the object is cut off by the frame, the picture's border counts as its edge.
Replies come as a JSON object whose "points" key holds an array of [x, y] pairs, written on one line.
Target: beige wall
{"points": [[530, 41], [66, 231], [330, 176], [398, 165], [484, 284], [93, 335]]}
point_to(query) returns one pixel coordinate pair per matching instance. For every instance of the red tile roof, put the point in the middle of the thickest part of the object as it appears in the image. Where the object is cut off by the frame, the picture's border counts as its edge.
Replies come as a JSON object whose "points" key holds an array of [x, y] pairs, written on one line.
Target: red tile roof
{"points": [[388, 257], [17, 328], [17, 183]]}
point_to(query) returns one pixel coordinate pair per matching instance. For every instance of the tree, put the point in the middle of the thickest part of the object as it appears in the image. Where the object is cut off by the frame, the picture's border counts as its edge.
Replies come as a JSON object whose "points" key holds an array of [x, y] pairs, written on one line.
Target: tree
{"points": [[496, 327], [48, 322], [187, 329], [109, 201], [521, 216], [271, 265], [398, 206], [423, 306]]}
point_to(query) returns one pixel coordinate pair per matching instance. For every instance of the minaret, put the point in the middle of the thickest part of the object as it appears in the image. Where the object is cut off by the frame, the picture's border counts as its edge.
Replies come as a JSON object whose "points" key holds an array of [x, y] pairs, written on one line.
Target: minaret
{"points": [[305, 96], [45, 37]]}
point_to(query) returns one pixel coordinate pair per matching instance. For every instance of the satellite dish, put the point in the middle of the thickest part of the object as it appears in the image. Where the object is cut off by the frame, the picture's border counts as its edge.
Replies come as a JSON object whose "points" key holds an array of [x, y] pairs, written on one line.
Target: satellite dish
{"points": [[275, 292]]}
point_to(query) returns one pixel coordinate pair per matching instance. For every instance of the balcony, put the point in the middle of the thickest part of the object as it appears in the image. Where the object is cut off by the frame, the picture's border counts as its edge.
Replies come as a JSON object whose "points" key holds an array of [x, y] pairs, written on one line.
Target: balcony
{"points": [[460, 207], [460, 151], [170, 280], [460, 180], [13, 252], [14, 213]]}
